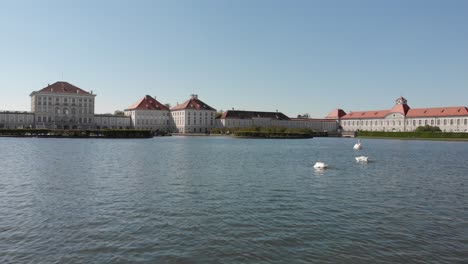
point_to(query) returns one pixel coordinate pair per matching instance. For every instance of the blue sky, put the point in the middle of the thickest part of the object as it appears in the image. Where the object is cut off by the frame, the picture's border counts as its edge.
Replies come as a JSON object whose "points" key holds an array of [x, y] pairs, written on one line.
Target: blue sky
{"points": [[294, 56]]}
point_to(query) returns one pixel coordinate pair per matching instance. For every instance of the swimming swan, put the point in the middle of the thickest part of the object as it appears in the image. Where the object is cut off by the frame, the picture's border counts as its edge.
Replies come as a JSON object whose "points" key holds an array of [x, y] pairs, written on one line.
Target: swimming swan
{"points": [[362, 159], [320, 166], [358, 145]]}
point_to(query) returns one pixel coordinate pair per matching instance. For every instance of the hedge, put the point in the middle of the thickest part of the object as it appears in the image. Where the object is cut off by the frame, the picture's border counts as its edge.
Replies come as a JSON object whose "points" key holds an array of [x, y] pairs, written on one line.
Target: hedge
{"points": [[108, 133], [258, 134], [413, 134]]}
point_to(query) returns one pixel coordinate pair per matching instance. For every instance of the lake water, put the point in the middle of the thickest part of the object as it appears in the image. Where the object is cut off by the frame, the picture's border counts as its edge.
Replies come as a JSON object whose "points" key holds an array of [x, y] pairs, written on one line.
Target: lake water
{"points": [[226, 200]]}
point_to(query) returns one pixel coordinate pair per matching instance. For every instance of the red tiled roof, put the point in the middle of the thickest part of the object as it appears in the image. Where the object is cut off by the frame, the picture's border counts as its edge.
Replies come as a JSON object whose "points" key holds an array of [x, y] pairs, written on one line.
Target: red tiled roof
{"points": [[63, 87], [147, 103], [336, 113], [400, 108], [366, 114], [238, 114], [193, 103], [438, 111]]}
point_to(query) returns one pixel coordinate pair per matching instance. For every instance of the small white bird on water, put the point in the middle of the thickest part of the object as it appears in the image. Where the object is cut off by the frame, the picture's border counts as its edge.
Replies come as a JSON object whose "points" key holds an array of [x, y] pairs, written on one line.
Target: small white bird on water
{"points": [[358, 145], [320, 166], [362, 159]]}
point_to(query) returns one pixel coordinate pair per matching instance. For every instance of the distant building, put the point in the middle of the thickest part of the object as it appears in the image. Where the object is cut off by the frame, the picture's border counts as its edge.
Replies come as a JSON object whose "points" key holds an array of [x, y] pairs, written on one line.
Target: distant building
{"points": [[148, 113], [242, 119], [63, 106], [108, 121], [193, 116], [402, 118], [15, 119]]}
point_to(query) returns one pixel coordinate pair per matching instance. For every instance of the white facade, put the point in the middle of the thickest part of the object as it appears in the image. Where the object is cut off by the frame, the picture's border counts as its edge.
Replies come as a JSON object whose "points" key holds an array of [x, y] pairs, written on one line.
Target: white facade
{"points": [[193, 120], [11, 120], [243, 119], [149, 114], [193, 116], [405, 124], [112, 122], [149, 119], [63, 106]]}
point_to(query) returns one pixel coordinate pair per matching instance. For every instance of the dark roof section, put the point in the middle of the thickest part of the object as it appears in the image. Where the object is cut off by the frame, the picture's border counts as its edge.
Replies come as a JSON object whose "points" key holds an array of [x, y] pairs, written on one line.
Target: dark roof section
{"points": [[237, 114], [336, 114]]}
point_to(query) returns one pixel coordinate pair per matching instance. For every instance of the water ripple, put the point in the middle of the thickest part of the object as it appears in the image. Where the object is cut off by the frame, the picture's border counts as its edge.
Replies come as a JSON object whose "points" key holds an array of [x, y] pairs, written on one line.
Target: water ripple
{"points": [[223, 200]]}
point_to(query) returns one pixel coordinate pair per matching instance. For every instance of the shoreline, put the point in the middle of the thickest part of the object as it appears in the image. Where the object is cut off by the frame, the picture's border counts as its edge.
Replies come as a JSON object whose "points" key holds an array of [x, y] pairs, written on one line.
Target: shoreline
{"points": [[419, 139]]}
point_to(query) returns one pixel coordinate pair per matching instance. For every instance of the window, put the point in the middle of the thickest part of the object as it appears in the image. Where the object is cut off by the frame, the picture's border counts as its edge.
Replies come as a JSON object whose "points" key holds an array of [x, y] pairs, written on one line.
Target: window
{"points": [[425, 122], [414, 122], [466, 121], [458, 121], [432, 122], [44, 119], [445, 122], [38, 119], [451, 121], [438, 122]]}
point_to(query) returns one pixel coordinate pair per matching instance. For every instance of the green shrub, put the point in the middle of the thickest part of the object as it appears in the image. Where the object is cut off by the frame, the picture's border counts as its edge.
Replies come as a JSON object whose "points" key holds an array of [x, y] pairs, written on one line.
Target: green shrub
{"points": [[428, 128]]}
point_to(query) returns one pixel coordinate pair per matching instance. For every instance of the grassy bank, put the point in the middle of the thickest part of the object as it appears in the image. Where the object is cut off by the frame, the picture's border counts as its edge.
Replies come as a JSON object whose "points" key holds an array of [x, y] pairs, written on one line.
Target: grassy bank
{"points": [[444, 136], [109, 133], [279, 135], [269, 132]]}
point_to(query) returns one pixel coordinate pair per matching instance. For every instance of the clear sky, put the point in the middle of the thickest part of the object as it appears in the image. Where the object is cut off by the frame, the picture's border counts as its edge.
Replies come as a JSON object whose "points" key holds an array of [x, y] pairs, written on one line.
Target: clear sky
{"points": [[294, 56]]}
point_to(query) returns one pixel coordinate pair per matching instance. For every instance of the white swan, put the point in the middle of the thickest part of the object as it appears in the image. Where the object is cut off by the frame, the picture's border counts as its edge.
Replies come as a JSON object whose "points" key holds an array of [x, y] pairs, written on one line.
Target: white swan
{"points": [[358, 145], [320, 166], [362, 159]]}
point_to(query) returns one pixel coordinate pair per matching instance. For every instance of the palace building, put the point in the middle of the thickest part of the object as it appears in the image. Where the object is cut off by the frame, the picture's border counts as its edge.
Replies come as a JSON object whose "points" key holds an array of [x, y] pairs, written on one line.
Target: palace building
{"points": [[401, 117], [63, 106], [149, 113], [193, 116], [242, 119]]}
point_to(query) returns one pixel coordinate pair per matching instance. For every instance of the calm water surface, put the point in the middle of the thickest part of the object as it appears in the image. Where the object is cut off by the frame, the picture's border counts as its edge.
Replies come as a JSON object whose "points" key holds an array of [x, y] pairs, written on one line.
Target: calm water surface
{"points": [[224, 200]]}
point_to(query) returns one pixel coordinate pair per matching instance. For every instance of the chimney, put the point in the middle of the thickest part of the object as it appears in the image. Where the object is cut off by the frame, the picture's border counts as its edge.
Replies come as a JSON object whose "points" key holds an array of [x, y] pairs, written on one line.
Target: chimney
{"points": [[194, 96]]}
